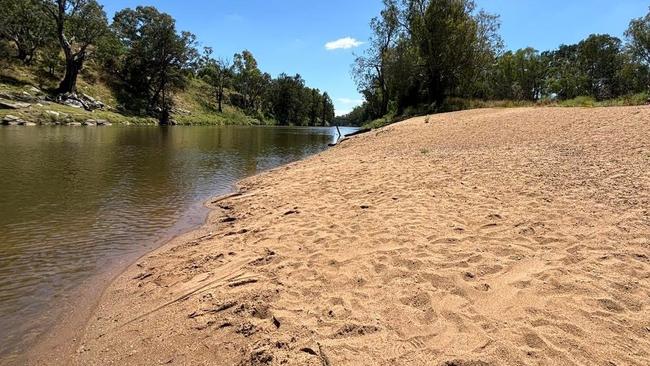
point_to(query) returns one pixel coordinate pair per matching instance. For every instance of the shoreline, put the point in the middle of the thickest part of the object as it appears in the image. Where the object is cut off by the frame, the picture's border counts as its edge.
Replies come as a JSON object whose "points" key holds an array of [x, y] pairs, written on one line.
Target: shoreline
{"points": [[58, 345], [476, 237]]}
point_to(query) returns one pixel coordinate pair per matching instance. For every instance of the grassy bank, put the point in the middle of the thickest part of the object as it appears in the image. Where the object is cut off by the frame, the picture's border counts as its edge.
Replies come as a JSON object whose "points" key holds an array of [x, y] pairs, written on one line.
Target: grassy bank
{"points": [[459, 104], [194, 106]]}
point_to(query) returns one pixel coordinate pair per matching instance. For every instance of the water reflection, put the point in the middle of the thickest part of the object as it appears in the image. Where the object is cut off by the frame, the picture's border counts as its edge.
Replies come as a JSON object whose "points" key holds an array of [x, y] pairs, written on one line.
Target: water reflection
{"points": [[73, 199]]}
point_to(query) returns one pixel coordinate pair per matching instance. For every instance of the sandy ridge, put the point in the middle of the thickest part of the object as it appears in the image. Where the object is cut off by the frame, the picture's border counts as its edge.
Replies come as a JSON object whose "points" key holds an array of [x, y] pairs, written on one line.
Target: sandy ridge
{"points": [[486, 237]]}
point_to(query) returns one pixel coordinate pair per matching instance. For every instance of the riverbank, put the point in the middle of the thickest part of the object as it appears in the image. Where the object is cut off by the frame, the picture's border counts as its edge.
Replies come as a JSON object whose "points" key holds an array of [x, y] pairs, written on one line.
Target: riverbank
{"points": [[111, 193], [26, 99], [29, 106], [516, 236]]}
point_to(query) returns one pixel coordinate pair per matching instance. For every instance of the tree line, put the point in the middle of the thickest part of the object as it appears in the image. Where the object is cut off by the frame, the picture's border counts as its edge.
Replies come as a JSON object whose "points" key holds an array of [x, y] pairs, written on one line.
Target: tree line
{"points": [[147, 60], [426, 55]]}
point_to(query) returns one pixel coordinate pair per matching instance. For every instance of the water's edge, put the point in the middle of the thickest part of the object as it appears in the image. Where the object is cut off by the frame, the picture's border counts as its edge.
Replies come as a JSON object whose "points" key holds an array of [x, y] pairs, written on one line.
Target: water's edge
{"points": [[63, 340], [57, 345]]}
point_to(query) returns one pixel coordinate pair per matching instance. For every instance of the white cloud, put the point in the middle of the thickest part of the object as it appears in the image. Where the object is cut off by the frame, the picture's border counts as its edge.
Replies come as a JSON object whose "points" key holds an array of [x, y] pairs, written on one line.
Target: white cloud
{"points": [[348, 101], [343, 43], [345, 105], [342, 112]]}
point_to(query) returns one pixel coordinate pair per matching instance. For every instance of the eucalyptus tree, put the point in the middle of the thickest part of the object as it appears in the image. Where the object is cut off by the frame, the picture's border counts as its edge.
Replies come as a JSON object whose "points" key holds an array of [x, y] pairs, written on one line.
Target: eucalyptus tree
{"points": [[78, 25], [565, 78], [423, 51], [315, 107], [599, 57], [446, 35], [217, 73], [327, 110], [157, 62], [25, 24], [249, 81], [638, 35], [519, 75], [370, 69]]}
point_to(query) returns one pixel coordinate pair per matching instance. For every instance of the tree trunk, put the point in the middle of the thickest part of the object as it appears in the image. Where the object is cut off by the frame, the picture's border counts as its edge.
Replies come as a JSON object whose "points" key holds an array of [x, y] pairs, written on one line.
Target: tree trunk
{"points": [[73, 65], [165, 106], [164, 117], [220, 99], [23, 56]]}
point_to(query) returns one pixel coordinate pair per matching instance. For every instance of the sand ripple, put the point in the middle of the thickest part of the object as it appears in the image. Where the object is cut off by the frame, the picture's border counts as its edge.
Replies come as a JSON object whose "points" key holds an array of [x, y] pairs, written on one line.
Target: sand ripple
{"points": [[487, 237]]}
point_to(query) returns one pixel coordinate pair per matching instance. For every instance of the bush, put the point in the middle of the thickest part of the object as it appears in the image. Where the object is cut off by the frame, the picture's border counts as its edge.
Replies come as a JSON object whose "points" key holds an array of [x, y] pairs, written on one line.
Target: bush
{"points": [[455, 104], [579, 102]]}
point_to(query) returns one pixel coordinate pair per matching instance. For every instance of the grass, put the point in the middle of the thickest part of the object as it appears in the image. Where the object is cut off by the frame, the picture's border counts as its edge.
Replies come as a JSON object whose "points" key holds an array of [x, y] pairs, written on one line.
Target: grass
{"points": [[196, 99], [627, 100], [40, 114], [458, 104]]}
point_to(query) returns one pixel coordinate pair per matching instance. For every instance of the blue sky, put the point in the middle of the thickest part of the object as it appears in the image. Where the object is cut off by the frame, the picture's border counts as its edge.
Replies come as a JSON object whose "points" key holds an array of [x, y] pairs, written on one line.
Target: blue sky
{"points": [[291, 35]]}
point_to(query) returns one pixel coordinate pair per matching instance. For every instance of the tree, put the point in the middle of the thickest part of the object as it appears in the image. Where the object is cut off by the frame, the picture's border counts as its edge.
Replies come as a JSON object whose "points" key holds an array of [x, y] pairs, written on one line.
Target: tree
{"points": [[488, 46], [249, 80], [404, 76], [328, 109], [423, 51], [79, 24], [217, 73], [445, 35], [599, 58], [287, 99], [158, 59], [638, 35], [519, 75], [565, 78], [25, 24], [315, 107], [370, 70]]}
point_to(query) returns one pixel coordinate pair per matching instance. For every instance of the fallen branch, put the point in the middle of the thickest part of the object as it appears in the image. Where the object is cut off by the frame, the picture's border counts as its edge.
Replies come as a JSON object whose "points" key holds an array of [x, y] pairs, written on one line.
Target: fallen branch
{"points": [[358, 132], [226, 196]]}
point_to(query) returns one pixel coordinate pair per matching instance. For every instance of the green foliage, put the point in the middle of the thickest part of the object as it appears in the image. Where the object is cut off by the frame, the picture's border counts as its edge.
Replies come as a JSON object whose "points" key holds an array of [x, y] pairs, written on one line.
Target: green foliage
{"points": [[291, 102], [78, 24], [425, 51], [638, 35], [217, 73], [25, 24], [600, 61], [250, 82], [148, 66], [582, 101], [157, 60], [285, 100], [519, 75], [625, 100], [565, 79], [286, 94], [429, 56]]}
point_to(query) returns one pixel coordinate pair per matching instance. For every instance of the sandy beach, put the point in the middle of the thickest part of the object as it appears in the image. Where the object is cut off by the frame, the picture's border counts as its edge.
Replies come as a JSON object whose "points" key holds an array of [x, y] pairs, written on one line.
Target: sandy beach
{"points": [[484, 237]]}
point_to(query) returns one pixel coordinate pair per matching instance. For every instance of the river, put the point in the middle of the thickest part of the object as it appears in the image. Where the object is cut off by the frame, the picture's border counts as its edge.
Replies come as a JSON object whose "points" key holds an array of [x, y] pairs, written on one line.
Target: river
{"points": [[75, 200]]}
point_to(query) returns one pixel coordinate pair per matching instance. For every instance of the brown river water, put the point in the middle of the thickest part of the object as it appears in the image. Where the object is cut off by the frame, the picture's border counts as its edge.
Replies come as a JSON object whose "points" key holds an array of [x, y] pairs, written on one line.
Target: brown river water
{"points": [[75, 200]]}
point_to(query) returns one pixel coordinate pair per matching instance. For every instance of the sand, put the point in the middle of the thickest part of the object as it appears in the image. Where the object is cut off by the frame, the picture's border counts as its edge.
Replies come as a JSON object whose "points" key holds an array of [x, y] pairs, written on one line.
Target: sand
{"points": [[484, 237]]}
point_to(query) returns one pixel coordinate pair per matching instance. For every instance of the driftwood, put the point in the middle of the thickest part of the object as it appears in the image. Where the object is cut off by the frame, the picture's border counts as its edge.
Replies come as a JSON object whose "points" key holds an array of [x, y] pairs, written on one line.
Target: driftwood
{"points": [[342, 138], [226, 196], [358, 132]]}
